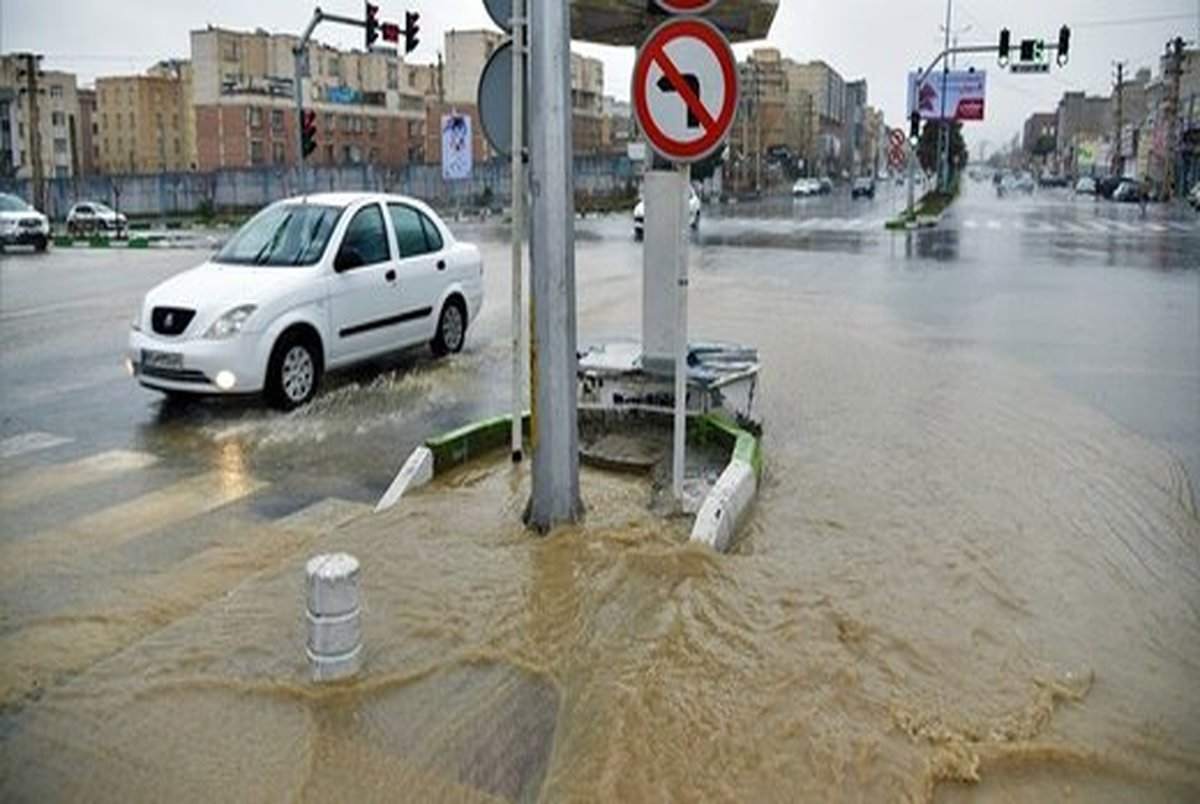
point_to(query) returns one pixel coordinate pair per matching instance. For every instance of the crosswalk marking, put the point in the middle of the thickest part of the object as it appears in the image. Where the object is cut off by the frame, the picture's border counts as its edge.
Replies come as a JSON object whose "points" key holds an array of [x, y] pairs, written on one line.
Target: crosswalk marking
{"points": [[60, 642], [124, 522], [26, 443], [44, 481]]}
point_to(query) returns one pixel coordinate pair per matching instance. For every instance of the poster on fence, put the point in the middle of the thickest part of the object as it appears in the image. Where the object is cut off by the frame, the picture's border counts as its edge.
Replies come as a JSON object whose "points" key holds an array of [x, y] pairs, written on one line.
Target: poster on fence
{"points": [[456, 147]]}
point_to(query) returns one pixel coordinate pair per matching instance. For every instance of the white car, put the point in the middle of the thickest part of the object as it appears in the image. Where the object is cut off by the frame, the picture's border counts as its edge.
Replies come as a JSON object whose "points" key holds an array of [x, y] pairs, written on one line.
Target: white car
{"points": [[803, 188], [639, 214], [21, 224], [308, 285], [88, 217]]}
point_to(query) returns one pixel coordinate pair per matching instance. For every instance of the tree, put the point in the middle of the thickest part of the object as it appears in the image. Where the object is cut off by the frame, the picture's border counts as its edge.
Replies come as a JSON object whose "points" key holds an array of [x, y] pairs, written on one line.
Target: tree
{"points": [[927, 147], [704, 169]]}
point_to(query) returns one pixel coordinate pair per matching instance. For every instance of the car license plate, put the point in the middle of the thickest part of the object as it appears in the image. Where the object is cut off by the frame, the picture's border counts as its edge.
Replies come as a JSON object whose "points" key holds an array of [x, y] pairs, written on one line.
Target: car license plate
{"points": [[161, 360]]}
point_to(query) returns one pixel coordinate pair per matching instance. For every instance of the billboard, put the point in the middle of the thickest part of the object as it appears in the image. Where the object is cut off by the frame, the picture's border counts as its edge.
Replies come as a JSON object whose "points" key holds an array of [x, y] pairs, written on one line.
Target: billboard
{"points": [[456, 147], [965, 93]]}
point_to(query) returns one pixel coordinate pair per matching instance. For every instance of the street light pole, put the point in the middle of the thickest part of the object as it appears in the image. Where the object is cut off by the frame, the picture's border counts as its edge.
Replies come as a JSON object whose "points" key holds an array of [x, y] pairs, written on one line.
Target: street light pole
{"points": [[943, 132]]}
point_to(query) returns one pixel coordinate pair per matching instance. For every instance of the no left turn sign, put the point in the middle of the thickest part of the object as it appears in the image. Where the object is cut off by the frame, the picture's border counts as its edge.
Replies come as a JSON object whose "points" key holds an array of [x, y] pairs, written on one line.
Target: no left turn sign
{"points": [[685, 88], [685, 6]]}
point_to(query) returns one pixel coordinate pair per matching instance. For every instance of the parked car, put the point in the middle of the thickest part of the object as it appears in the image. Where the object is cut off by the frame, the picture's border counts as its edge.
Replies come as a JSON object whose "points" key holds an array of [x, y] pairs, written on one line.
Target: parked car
{"points": [[306, 286], [864, 186], [1106, 186], [639, 214], [806, 187], [825, 185], [1193, 197], [21, 224], [1085, 186], [90, 217], [1130, 191]]}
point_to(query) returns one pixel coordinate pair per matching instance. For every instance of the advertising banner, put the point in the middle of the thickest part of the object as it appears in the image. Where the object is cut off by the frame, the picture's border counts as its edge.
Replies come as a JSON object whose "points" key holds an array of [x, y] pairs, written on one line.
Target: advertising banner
{"points": [[456, 147], [965, 93]]}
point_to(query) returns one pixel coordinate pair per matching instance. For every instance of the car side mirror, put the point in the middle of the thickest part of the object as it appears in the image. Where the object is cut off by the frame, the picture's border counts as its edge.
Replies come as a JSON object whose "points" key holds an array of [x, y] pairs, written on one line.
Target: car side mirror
{"points": [[348, 258]]}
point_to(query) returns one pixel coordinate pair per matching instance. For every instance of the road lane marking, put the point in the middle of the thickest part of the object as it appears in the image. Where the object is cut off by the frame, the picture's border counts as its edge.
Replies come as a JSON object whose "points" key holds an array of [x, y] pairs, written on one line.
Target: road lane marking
{"points": [[44, 481], [1156, 227], [1183, 227], [994, 226], [30, 442], [63, 642], [970, 223], [113, 527]]}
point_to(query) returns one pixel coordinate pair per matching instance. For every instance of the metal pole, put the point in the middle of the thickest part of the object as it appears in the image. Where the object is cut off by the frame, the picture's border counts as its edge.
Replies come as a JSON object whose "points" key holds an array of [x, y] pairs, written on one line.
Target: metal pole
{"points": [[943, 132], [518, 224], [555, 499], [301, 176], [681, 348]]}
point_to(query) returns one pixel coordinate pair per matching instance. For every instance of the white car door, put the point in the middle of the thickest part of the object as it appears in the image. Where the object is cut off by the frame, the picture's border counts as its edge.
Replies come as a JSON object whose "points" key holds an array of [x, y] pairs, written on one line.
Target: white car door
{"points": [[364, 304], [421, 266]]}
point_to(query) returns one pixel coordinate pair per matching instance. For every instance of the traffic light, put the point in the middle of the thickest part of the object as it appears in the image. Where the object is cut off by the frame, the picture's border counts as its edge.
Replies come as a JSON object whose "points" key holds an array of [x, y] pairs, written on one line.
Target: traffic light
{"points": [[410, 31], [372, 24], [1064, 45], [914, 127], [308, 132], [1005, 46], [1027, 49]]}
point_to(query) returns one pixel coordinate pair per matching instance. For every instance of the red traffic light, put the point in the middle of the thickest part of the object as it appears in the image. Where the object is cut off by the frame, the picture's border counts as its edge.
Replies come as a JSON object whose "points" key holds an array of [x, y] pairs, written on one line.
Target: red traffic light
{"points": [[391, 32], [308, 132]]}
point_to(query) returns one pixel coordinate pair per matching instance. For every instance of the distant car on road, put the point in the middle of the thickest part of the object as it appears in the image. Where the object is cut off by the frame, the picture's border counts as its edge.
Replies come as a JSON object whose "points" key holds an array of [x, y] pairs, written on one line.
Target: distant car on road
{"points": [[307, 285], [864, 187], [1085, 186], [804, 188], [639, 214], [1130, 191], [1193, 197], [826, 185], [90, 217], [21, 224]]}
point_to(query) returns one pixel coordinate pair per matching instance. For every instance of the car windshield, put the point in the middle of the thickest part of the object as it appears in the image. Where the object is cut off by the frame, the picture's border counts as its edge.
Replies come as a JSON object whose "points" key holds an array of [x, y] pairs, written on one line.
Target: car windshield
{"points": [[10, 203], [282, 235]]}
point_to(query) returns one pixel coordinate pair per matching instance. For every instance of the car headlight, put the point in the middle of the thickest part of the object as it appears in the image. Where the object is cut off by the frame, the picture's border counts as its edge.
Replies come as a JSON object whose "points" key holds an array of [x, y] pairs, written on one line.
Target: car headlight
{"points": [[231, 322]]}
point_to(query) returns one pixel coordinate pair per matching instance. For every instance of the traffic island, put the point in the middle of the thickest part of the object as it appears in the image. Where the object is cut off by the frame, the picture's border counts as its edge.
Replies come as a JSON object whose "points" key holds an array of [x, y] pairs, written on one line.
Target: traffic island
{"points": [[626, 425], [927, 213]]}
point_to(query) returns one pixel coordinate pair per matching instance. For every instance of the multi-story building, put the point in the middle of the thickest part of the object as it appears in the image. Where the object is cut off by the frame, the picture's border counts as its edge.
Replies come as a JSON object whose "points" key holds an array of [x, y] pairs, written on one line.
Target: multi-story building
{"points": [[587, 104], [827, 89], [618, 125], [856, 157], [760, 126], [245, 108], [1041, 132], [142, 124], [1081, 122], [39, 120]]}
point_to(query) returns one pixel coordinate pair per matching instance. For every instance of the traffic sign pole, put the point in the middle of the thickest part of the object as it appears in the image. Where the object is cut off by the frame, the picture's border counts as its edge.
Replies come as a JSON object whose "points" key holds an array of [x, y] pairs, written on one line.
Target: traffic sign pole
{"points": [[518, 225]]}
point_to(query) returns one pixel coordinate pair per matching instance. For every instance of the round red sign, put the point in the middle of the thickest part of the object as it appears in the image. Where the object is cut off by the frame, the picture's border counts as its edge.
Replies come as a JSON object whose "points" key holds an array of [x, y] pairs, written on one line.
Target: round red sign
{"points": [[685, 6], [685, 89]]}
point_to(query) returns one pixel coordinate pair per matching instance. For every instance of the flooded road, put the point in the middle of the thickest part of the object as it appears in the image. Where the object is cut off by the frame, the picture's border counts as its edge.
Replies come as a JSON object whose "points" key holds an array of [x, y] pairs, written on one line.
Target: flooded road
{"points": [[973, 571]]}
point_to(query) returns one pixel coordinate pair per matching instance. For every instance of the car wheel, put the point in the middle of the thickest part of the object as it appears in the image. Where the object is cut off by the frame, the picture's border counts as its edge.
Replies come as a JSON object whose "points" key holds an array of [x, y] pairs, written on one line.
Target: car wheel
{"points": [[293, 372], [637, 235], [451, 330]]}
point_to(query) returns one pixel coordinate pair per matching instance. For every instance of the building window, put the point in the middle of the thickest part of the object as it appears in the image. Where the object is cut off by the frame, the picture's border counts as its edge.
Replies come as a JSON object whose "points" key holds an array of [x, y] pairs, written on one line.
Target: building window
{"points": [[393, 76], [329, 122], [345, 124], [356, 124], [230, 50], [56, 90], [335, 67], [60, 145], [255, 115], [277, 120], [373, 156], [277, 155], [58, 119], [256, 152], [373, 125]]}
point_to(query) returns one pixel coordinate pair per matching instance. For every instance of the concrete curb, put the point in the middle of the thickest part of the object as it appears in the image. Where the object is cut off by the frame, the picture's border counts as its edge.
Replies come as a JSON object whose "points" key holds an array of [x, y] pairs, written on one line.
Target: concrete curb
{"points": [[722, 513], [129, 243]]}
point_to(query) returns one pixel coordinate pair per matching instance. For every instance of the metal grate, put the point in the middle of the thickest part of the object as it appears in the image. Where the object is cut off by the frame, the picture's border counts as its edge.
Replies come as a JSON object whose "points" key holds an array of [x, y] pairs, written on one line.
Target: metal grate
{"points": [[171, 320]]}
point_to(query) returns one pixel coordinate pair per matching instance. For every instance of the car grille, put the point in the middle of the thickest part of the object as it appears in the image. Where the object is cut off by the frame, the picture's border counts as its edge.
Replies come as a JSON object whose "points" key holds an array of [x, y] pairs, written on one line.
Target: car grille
{"points": [[30, 223], [176, 375], [171, 320]]}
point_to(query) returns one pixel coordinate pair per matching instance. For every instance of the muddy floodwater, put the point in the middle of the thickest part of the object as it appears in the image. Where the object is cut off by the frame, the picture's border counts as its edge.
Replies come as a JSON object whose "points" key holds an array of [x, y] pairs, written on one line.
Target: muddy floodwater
{"points": [[961, 582]]}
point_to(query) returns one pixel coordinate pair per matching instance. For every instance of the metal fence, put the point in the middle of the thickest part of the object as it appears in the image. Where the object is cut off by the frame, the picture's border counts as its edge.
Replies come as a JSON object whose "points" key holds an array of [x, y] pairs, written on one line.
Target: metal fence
{"points": [[170, 194]]}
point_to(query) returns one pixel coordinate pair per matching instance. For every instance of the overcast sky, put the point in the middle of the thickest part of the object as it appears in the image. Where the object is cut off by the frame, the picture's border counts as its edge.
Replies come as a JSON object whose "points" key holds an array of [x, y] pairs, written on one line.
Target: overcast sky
{"points": [[879, 40]]}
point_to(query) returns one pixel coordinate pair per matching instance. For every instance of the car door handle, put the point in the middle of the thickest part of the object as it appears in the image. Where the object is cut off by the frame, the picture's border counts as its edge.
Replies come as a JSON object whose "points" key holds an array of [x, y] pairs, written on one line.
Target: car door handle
{"points": [[441, 265], [390, 276]]}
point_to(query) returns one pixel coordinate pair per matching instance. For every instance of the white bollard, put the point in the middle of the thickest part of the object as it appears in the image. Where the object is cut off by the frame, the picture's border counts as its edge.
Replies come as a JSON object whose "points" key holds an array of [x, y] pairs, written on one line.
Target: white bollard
{"points": [[334, 616]]}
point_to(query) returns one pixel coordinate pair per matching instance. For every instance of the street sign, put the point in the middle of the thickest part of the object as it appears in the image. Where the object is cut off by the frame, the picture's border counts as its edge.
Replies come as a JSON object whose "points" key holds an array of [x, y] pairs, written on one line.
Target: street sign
{"points": [[495, 101], [685, 6], [1033, 67], [456, 147], [966, 93], [896, 138], [501, 13], [685, 89]]}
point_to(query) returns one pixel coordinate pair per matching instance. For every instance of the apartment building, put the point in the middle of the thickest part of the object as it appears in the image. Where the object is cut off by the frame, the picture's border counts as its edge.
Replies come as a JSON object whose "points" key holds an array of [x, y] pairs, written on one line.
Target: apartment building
{"points": [[44, 129], [245, 108], [141, 124]]}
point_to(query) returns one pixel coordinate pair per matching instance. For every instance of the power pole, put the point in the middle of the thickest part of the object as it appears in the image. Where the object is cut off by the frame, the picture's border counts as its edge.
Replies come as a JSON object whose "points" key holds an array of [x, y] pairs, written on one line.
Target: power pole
{"points": [[1175, 72], [32, 63], [1119, 157], [943, 129]]}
